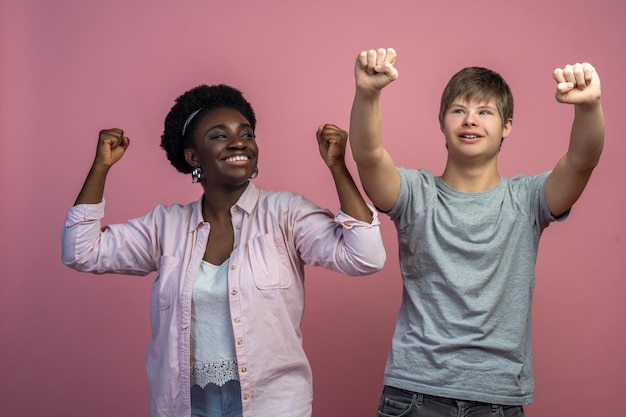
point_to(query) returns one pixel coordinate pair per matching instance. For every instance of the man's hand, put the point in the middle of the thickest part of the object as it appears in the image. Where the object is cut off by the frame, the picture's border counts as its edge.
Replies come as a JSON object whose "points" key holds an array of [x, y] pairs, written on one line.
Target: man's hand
{"points": [[374, 69], [577, 84]]}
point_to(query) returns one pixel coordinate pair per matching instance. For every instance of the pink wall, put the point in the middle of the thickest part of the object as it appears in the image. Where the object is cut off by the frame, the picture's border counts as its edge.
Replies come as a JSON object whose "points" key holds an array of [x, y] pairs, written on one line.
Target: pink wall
{"points": [[72, 342]]}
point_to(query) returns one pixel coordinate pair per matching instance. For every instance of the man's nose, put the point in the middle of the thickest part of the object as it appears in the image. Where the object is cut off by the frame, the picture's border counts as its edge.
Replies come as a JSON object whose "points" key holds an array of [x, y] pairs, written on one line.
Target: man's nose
{"points": [[470, 119]]}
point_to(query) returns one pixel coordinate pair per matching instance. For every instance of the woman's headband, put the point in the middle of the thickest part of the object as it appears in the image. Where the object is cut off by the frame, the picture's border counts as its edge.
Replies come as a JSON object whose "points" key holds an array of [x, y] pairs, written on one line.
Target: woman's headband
{"points": [[191, 116]]}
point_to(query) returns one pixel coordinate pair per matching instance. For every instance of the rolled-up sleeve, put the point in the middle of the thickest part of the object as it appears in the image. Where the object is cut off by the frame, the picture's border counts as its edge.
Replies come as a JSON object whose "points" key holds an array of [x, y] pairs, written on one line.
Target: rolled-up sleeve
{"points": [[362, 252], [342, 244], [121, 248]]}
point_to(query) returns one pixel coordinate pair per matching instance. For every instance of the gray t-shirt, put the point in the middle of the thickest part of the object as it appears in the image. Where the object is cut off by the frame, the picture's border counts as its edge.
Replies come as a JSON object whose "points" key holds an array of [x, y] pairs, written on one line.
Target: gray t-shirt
{"points": [[468, 267]]}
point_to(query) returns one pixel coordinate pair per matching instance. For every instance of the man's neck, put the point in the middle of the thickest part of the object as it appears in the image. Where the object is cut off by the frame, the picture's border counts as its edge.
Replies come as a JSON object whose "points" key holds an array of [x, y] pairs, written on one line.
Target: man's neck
{"points": [[471, 179]]}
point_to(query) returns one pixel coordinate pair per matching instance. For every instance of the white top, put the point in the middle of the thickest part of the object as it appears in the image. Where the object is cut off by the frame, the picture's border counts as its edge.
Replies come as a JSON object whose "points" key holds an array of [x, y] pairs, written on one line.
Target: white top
{"points": [[213, 357]]}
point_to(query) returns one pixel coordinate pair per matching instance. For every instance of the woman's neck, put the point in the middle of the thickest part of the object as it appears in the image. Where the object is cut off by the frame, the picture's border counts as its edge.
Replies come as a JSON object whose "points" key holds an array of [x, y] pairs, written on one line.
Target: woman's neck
{"points": [[216, 202]]}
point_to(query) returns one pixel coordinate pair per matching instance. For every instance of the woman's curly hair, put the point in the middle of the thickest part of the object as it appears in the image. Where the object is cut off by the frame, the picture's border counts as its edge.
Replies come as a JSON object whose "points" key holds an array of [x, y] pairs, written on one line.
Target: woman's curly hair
{"points": [[204, 98]]}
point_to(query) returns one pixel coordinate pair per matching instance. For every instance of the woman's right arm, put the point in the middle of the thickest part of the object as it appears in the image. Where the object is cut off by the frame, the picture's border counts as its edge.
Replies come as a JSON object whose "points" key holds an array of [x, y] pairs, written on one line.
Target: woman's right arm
{"points": [[111, 147], [88, 247]]}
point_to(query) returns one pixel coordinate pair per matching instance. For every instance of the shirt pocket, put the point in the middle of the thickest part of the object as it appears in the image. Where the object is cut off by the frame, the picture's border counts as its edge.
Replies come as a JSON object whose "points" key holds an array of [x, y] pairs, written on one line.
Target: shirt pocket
{"points": [[164, 286], [269, 262]]}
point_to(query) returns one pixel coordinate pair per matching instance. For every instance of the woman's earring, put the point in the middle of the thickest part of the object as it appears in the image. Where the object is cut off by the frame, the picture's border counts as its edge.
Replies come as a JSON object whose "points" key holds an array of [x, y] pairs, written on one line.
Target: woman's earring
{"points": [[196, 175], [255, 173]]}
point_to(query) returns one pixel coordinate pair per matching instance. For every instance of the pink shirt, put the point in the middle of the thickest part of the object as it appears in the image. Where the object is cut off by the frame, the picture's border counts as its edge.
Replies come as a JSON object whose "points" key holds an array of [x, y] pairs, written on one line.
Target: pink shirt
{"points": [[276, 234]]}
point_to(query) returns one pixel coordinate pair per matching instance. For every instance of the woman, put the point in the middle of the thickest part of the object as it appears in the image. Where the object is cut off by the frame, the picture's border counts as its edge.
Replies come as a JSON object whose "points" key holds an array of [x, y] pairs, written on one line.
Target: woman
{"points": [[228, 297]]}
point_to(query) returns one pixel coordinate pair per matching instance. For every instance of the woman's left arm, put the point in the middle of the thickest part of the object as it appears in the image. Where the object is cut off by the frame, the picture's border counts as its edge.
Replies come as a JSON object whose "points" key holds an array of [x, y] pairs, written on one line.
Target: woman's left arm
{"points": [[332, 142]]}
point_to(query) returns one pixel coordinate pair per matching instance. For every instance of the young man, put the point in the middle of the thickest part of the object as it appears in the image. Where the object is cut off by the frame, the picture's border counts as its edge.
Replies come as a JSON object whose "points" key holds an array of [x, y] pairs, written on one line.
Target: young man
{"points": [[468, 239]]}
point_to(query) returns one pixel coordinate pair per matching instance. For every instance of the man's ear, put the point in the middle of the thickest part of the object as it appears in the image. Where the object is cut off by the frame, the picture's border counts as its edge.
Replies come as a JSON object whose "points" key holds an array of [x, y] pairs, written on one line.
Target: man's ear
{"points": [[191, 157], [506, 129]]}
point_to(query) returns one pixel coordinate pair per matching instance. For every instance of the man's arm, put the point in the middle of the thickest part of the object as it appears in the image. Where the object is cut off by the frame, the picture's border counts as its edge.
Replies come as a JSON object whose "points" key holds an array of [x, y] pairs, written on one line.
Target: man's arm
{"points": [[577, 84], [373, 71]]}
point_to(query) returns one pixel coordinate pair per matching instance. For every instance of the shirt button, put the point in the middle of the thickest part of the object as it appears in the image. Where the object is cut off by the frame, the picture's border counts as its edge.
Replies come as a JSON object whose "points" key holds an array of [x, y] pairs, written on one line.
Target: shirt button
{"points": [[237, 320], [246, 396], [235, 208], [234, 292], [240, 342], [244, 369], [237, 227]]}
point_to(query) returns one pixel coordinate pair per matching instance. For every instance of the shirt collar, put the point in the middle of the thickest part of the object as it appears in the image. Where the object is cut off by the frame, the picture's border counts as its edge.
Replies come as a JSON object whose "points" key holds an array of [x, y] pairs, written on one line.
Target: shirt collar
{"points": [[246, 202], [249, 198], [196, 215]]}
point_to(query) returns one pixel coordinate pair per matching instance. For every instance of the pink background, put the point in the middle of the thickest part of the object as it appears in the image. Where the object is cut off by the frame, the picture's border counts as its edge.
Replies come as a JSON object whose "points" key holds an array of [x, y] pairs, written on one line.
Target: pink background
{"points": [[73, 344]]}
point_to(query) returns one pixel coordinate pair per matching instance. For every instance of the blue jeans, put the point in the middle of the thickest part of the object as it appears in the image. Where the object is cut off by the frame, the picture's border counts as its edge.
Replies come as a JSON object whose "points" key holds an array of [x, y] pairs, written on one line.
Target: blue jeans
{"points": [[216, 401], [396, 402]]}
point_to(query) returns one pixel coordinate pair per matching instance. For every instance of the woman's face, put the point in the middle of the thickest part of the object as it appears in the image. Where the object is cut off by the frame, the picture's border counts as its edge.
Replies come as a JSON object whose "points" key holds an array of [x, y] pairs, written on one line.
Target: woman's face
{"points": [[225, 148]]}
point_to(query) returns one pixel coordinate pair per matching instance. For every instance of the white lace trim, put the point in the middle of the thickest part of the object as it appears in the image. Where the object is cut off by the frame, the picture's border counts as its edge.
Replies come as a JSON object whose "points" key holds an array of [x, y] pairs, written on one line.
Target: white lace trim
{"points": [[217, 373]]}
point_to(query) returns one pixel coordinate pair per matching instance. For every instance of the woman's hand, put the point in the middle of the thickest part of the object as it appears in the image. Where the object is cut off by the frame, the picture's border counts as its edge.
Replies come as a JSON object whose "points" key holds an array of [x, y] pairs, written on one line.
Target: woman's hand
{"points": [[111, 147], [332, 142]]}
